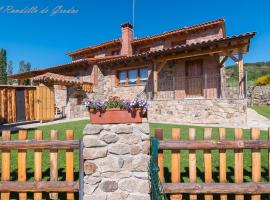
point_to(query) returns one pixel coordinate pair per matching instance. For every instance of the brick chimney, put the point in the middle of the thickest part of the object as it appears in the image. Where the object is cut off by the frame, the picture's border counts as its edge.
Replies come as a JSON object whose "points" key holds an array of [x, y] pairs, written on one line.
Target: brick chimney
{"points": [[127, 37]]}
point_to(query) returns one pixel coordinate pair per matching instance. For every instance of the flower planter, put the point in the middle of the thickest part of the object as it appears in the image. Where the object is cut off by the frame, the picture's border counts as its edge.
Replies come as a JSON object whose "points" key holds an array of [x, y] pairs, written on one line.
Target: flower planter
{"points": [[115, 116]]}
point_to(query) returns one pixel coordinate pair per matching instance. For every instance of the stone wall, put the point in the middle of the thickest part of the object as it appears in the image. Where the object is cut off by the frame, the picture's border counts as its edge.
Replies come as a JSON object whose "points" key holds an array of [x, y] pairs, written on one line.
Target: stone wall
{"points": [[116, 162], [60, 96], [74, 108], [199, 111], [259, 95]]}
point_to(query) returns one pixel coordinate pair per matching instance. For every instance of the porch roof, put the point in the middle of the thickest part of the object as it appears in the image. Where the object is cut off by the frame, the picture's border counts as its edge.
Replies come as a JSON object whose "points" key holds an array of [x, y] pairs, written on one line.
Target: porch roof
{"points": [[223, 46], [57, 79], [58, 68]]}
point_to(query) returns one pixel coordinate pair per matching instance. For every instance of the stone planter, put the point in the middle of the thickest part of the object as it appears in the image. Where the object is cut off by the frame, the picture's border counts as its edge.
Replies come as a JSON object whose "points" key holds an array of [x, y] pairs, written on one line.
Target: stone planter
{"points": [[115, 116]]}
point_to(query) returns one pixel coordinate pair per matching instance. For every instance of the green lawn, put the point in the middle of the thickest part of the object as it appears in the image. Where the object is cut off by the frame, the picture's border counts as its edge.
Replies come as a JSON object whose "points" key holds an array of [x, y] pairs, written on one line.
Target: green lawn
{"points": [[263, 110]]}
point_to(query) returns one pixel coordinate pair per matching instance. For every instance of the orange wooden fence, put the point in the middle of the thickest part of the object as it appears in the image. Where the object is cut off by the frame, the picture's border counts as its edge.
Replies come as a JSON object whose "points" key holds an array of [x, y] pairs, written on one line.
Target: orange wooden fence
{"points": [[209, 188], [38, 186]]}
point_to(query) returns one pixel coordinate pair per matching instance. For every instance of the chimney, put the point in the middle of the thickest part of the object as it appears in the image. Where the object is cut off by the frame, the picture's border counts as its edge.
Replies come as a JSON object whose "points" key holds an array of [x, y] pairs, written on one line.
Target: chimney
{"points": [[127, 37]]}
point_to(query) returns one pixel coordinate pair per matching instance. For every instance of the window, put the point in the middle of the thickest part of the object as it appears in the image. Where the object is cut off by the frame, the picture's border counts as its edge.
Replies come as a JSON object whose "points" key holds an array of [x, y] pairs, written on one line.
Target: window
{"points": [[123, 77], [133, 76], [143, 74], [115, 52]]}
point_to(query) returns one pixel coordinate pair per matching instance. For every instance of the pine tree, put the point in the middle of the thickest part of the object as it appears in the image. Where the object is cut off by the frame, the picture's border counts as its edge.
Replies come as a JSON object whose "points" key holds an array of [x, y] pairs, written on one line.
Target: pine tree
{"points": [[3, 66]]}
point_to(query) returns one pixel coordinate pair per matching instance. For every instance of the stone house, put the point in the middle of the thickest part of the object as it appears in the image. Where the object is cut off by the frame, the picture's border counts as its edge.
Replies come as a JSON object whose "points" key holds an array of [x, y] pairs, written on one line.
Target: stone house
{"points": [[181, 73]]}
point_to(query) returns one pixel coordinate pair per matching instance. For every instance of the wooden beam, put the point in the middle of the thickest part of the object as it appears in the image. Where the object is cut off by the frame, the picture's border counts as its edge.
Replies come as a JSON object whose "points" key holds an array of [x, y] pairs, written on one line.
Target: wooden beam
{"points": [[223, 61], [42, 186], [232, 56], [219, 50], [241, 75], [217, 188], [213, 144], [39, 144], [162, 65]]}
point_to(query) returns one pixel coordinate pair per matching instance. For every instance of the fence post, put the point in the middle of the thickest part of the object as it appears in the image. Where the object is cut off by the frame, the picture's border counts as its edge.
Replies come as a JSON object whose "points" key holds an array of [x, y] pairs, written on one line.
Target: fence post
{"points": [[208, 162], [256, 162], [176, 163], [238, 163], [69, 164], [5, 164], [222, 162], [53, 163], [192, 162], [22, 164], [159, 136], [38, 164]]}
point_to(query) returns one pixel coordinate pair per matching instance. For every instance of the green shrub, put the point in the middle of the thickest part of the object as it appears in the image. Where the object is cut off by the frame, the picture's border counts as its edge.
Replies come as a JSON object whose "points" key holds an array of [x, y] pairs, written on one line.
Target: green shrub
{"points": [[263, 80]]}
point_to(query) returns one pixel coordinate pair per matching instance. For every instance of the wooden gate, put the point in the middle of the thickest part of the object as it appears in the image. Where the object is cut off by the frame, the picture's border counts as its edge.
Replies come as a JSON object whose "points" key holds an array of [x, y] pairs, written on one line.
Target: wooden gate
{"points": [[44, 103]]}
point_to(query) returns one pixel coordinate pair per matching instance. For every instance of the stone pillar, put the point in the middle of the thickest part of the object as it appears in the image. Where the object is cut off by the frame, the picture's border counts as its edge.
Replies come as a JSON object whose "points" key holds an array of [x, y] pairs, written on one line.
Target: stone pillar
{"points": [[116, 162]]}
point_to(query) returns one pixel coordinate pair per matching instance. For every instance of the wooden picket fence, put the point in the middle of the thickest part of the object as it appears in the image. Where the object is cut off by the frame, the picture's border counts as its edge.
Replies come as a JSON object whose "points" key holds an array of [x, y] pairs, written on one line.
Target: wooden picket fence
{"points": [[38, 186], [209, 188]]}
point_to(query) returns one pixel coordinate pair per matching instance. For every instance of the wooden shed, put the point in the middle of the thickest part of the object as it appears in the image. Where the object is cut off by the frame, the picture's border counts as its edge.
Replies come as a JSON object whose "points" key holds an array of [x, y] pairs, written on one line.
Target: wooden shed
{"points": [[26, 103]]}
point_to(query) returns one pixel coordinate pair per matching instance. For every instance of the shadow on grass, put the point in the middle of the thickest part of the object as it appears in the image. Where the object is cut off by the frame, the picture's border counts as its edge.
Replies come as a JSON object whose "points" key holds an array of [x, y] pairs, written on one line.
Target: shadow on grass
{"points": [[45, 177], [215, 174]]}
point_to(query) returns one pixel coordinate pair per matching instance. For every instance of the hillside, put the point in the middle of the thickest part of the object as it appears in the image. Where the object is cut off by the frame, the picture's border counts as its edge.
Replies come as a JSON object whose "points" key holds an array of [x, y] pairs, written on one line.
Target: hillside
{"points": [[254, 70]]}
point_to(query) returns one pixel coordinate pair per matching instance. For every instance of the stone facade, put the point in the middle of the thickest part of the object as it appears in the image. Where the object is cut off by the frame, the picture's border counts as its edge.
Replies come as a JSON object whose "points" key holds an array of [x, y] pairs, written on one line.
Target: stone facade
{"points": [[116, 162], [196, 111], [60, 96], [74, 109], [259, 95]]}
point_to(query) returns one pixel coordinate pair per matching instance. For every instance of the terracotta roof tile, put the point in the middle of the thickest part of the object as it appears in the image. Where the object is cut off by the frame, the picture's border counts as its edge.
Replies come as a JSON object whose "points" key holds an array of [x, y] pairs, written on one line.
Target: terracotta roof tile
{"points": [[57, 77], [183, 47], [101, 45], [183, 29], [136, 41]]}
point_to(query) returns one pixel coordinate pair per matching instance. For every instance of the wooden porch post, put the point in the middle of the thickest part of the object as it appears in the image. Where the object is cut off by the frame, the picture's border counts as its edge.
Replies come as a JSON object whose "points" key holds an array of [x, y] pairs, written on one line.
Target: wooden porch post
{"points": [[155, 79], [241, 75], [222, 74]]}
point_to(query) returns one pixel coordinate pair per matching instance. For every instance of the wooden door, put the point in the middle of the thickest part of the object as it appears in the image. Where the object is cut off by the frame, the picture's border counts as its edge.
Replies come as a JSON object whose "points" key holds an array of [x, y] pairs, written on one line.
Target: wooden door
{"points": [[44, 103], [194, 78], [20, 105]]}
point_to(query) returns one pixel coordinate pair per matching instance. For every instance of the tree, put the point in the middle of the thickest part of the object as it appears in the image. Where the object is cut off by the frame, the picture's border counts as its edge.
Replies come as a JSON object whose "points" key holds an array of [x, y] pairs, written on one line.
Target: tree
{"points": [[10, 67], [10, 71], [3, 66], [25, 67]]}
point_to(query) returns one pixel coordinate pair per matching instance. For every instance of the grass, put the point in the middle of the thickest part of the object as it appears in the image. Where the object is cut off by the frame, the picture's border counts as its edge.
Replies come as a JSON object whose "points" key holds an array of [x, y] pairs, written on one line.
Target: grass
{"points": [[78, 129], [262, 109]]}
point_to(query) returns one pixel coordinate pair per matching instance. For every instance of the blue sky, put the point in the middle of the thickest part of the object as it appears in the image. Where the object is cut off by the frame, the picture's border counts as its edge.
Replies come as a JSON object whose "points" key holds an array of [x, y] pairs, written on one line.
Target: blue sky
{"points": [[44, 40]]}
